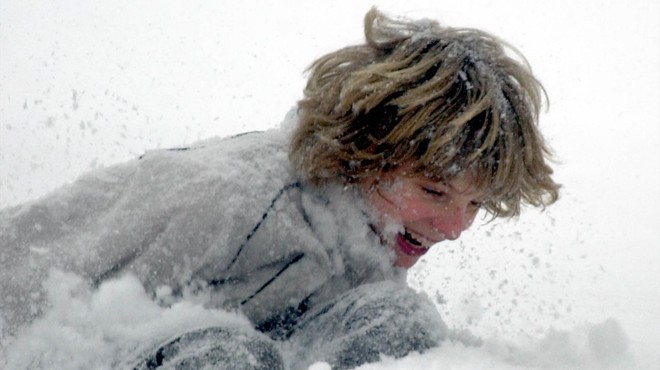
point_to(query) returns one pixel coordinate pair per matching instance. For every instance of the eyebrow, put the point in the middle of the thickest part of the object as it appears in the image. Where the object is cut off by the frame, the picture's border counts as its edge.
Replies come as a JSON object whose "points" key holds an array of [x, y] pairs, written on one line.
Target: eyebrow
{"points": [[446, 183], [466, 191]]}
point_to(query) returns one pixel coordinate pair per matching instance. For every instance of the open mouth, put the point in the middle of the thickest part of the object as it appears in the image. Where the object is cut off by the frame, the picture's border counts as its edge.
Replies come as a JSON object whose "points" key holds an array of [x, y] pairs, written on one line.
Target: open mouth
{"points": [[411, 239], [409, 245]]}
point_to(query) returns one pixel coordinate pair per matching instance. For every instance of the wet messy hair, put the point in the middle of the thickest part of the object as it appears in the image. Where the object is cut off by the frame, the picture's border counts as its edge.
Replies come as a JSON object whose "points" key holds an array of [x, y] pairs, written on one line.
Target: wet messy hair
{"points": [[438, 100]]}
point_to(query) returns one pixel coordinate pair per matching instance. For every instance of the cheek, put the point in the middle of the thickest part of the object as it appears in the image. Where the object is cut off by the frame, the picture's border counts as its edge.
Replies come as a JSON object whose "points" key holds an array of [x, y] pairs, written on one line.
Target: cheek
{"points": [[415, 208], [382, 205], [395, 205]]}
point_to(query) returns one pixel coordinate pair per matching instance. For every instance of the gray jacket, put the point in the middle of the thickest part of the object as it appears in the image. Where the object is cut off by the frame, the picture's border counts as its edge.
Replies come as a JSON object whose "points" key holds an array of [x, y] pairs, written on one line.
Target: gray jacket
{"points": [[228, 217]]}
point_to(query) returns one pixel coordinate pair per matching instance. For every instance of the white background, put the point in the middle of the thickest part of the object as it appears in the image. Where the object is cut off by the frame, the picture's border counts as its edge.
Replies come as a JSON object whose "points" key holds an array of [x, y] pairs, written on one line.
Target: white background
{"points": [[85, 84]]}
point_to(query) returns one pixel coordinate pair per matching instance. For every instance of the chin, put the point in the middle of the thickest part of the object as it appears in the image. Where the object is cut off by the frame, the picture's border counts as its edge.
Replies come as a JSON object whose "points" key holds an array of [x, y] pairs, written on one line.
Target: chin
{"points": [[405, 261]]}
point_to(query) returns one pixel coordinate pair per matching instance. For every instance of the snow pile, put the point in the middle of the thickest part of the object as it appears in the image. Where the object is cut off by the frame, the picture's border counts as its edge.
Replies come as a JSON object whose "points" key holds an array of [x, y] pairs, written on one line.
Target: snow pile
{"points": [[110, 327], [602, 346], [106, 328]]}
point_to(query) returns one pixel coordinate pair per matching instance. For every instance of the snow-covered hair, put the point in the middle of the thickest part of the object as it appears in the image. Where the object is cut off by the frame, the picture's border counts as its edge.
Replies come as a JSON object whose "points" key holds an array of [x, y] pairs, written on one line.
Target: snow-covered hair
{"points": [[435, 99]]}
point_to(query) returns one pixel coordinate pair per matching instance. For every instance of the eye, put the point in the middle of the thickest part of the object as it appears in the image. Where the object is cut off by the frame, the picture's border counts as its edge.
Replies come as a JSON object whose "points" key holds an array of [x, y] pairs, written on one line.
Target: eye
{"points": [[477, 204], [435, 193]]}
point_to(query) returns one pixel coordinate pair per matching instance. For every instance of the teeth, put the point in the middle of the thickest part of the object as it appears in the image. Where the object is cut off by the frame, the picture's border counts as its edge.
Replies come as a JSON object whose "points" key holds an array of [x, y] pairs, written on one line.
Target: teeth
{"points": [[412, 240]]}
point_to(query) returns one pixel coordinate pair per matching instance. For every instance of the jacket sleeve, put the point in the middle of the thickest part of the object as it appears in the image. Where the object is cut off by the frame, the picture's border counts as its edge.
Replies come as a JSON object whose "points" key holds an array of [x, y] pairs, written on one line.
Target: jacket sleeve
{"points": [[161, 217], [61, 231]]}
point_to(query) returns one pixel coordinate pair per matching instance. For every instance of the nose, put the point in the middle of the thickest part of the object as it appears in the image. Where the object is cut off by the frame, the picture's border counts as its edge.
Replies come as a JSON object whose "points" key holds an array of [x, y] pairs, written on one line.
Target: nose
{"points": [[451, 221]]}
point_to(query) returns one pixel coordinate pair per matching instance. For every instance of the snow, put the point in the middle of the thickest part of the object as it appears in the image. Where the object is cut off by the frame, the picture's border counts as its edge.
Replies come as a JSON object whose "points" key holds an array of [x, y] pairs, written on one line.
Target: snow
{"points": [[106, 328], [88, 84], [110, 327]]}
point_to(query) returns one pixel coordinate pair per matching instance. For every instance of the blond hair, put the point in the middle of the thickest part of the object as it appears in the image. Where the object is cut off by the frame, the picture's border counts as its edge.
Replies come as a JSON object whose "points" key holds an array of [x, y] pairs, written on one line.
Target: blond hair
{"points": [[440, 100]]}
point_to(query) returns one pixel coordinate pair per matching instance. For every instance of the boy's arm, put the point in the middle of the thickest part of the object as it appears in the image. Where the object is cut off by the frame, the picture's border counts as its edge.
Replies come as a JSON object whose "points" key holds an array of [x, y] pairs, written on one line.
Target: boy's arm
{"points": [[60, 230]]}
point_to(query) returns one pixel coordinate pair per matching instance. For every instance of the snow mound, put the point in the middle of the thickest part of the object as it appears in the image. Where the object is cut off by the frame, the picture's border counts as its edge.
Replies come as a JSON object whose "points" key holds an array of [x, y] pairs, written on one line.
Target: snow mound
{"points": [[110, 327], [106, 328]]}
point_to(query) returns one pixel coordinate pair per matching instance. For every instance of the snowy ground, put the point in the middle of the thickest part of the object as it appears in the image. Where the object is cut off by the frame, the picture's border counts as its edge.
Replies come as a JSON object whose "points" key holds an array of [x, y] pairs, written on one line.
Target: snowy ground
{"points": [[85, 84]]}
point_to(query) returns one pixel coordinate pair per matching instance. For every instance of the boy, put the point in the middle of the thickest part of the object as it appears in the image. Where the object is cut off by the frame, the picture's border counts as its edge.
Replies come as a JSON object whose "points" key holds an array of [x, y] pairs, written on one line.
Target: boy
{"points": [[395, 147]]}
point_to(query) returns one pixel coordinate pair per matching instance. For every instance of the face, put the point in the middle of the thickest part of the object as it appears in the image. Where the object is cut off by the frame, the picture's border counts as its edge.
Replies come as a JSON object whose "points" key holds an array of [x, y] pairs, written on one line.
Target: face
{"points": [[413, 213]]}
